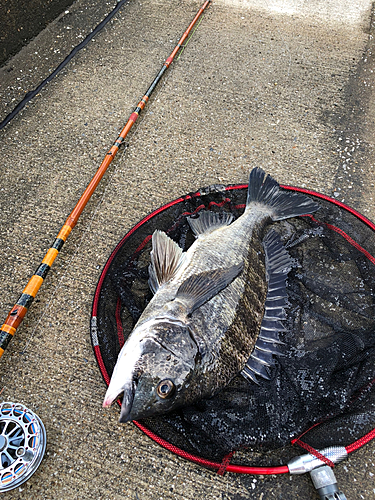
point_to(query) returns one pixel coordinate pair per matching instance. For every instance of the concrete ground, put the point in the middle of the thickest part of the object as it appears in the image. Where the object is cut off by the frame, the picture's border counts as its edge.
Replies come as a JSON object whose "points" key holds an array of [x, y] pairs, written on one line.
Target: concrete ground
{"points": [[284, 84], [22, 20]]}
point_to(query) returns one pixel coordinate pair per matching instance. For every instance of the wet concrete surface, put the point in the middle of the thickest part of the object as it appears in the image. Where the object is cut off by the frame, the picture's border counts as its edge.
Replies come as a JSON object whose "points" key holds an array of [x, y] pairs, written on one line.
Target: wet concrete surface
{"points": [[273, 84]]}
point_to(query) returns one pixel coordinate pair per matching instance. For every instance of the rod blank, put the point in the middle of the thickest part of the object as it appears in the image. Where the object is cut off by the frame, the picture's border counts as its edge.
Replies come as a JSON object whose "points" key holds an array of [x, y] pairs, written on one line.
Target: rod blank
{"points": [[19, 310]]}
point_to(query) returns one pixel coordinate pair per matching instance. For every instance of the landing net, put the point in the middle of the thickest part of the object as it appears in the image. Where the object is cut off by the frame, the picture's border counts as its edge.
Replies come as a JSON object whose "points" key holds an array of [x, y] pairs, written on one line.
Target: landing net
{"points": [[321, 391]]}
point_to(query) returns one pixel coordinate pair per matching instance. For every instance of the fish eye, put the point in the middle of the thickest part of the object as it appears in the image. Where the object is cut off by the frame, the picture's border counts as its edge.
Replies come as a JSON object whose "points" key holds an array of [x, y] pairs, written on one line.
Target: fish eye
{"points": [[165, 388]]}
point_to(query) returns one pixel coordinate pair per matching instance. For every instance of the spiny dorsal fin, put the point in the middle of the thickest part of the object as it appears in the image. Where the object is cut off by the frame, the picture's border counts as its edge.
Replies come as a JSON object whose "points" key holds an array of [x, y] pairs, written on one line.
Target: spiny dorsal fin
{"points": [[278, 265], [200, 288], [283, 204], [166, 258], [209, 221]]}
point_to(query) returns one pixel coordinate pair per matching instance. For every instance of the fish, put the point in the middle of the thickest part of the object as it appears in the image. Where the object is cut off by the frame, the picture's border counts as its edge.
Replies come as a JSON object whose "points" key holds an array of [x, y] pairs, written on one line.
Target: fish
{"points": [[217, 309]]}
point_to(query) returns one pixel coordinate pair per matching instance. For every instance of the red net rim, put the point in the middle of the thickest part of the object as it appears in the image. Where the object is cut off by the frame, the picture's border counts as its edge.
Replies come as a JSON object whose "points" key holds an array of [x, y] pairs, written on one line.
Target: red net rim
{"points": [[225, 464]]}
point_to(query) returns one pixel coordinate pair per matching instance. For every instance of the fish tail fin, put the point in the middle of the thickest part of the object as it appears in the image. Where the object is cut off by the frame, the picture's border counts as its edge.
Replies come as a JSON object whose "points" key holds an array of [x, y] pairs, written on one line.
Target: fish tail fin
{"points": [[263, 189]]}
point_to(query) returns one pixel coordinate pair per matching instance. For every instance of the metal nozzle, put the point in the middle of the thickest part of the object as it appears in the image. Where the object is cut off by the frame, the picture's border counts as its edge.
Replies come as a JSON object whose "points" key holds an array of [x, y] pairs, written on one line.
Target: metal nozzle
{"points": [[325, 483], [306, 463]]}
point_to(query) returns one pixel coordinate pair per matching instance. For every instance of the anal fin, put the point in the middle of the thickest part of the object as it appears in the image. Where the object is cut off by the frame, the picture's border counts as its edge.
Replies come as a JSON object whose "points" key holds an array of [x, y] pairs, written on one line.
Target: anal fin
{"points": [[278, 265]]}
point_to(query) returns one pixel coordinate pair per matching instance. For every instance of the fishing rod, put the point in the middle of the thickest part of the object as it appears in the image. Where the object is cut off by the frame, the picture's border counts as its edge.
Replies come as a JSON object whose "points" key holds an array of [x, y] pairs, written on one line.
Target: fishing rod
{"points": [[19, 310]]}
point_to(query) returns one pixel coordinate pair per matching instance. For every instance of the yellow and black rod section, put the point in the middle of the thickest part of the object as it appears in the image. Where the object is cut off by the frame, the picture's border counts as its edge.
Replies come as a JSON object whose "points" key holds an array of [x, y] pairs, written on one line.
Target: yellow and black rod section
{"points": [[19, 310]]}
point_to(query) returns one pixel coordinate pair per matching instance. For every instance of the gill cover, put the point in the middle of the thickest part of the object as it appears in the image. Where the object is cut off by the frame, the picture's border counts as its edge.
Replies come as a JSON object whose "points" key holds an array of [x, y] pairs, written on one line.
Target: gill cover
{"points": [[162, 374]]}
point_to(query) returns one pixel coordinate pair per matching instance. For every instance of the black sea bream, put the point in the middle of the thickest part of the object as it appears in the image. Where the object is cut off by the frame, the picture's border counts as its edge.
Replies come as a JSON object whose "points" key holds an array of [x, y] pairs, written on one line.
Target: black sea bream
{"points": [[216, 309]]}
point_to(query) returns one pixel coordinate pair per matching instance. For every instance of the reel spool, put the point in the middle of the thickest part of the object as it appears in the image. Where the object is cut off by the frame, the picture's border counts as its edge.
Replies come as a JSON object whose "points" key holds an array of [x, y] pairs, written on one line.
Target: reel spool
{"points": [[22, 444]]}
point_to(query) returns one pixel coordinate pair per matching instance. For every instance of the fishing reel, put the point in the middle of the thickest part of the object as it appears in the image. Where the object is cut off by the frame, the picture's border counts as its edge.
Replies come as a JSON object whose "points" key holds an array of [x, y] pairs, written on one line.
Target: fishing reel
{"points": [[22, 444]]}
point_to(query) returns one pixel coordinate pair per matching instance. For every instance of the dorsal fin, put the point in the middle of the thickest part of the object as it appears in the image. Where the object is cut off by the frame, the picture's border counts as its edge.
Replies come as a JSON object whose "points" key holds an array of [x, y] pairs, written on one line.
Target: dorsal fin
{"points": [[166, 258], [278, 265], [209, 221]]}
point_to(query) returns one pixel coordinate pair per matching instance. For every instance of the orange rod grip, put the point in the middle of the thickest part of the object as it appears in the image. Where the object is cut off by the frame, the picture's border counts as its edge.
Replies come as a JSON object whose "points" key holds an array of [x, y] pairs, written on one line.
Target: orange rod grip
{"points": [[33, 285], [49, 257]]}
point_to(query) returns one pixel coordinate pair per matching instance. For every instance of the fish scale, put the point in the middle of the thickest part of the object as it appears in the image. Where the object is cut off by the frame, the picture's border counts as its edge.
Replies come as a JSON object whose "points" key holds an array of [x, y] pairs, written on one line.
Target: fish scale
{"points": [[233, 318]]}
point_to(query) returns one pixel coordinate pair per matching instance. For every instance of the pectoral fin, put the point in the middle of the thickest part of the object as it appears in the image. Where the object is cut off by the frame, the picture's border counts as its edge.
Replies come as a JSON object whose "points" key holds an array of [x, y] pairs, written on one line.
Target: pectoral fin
{"points": [[200, 288]]}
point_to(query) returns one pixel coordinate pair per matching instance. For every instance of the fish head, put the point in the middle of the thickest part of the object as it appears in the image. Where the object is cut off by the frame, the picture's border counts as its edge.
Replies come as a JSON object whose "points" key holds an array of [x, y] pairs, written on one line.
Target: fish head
{"points": [[155, 373]]}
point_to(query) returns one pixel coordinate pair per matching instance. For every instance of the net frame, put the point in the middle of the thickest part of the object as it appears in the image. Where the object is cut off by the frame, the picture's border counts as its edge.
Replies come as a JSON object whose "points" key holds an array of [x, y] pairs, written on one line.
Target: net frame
{"points": [[224, 465]]}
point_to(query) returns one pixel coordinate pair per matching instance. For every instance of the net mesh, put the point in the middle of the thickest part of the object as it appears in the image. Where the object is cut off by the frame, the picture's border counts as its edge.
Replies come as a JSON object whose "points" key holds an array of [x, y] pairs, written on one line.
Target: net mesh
{"points": [[322, 387]]}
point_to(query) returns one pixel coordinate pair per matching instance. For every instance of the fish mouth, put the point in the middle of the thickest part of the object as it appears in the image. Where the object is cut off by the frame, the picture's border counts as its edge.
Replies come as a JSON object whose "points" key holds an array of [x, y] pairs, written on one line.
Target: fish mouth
{"points": [[127, 404], [127, 400], [110, 396]]}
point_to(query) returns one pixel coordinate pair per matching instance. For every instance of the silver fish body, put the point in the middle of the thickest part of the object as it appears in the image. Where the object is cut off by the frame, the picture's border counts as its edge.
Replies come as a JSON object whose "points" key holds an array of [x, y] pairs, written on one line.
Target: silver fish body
{"points": [[200, 328]]}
